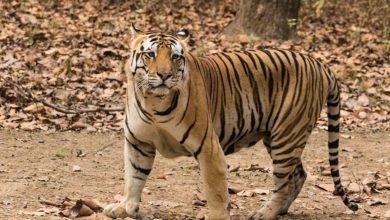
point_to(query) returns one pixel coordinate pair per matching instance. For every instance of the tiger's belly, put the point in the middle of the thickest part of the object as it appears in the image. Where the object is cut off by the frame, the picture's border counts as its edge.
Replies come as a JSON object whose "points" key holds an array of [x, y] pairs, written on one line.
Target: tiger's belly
{"points": [[244, 141], [169, 147]]}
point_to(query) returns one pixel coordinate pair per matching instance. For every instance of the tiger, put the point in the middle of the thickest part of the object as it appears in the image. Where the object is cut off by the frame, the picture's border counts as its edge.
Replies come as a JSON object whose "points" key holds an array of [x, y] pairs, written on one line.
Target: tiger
{"points": [[179, 104]]}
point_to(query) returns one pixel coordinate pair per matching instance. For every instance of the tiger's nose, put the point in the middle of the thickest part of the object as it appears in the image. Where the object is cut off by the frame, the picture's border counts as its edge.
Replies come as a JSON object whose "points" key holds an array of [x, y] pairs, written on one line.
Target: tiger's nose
{"points": [[164, 75]]}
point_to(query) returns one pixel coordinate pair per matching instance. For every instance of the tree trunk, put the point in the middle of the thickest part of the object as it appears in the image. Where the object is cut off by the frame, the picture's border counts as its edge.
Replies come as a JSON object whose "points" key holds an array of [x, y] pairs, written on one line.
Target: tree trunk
{"points": [[268, 19]]}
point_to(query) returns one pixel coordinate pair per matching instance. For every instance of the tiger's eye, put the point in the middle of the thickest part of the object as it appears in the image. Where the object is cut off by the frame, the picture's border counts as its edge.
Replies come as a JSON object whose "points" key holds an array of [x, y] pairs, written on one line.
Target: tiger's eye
{"points": [[150, 54], [175, 56]]}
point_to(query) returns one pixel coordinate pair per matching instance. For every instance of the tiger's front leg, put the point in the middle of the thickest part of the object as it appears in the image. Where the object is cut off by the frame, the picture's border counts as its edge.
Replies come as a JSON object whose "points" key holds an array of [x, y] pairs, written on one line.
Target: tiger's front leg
{"points": [[139, 159], [214, 175]]}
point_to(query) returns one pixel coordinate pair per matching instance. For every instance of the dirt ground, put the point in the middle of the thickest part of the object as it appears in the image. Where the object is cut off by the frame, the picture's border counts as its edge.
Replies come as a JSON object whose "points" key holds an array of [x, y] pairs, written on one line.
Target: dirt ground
{"points": [[39, 166]]}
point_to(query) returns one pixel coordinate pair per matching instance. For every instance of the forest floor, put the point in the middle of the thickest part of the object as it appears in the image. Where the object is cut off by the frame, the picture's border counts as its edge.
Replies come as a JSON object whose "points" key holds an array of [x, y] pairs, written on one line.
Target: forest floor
{"points": [[41, 173]]}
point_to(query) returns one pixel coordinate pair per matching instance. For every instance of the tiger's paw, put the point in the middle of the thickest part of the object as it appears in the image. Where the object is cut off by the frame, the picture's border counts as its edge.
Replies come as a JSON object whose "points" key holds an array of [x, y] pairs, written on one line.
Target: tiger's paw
{"points": [[217, 216], [121, 210], [207, 217], [262, 214]]}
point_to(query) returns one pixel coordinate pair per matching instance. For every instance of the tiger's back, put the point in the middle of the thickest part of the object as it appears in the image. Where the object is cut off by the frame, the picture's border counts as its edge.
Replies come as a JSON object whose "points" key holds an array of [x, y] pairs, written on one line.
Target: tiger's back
{"points": [[254, 94]]}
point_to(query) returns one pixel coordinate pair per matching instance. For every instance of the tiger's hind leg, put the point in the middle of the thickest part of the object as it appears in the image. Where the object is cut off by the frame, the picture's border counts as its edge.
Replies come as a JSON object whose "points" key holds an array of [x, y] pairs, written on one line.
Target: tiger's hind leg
{"points": [[289, 177], [298, 179]]}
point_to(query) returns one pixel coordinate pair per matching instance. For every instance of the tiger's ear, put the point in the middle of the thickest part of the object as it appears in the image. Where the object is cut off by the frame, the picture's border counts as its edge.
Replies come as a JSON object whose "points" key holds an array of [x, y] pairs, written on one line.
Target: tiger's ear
{"points": [[134, 31], [183, 35]]}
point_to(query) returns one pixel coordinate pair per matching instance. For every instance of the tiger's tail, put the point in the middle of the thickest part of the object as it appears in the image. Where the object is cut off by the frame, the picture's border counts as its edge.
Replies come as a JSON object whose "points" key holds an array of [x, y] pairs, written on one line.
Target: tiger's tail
{"points": [[333, 104]]}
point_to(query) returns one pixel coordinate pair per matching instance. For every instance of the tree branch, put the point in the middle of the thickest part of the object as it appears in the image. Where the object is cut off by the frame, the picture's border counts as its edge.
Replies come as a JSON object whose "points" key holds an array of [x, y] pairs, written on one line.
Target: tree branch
{"points": [[29, 96]]}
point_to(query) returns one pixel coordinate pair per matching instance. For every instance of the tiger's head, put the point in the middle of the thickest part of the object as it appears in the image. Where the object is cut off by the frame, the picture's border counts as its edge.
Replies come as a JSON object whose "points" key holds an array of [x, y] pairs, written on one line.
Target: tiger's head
{"points": [[157, 62]]}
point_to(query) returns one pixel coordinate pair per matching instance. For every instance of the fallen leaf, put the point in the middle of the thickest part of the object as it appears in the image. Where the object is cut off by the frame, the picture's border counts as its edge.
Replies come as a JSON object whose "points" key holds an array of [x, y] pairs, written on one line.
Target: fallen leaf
{"points": [[234, 168], [261, 191], [384, 186], [353, 188], [200, 197], [376, 201], [35, 108], [325, 171], [363, 100], [93, 204], [161, 177], [325, 186], [76, 168], [43, 178], [79, 210], [167, 204], [387, 214], [246, 193], [37, 213], [256, 167], [49, 210], [201, 214], [234, 189], [362, 115]]}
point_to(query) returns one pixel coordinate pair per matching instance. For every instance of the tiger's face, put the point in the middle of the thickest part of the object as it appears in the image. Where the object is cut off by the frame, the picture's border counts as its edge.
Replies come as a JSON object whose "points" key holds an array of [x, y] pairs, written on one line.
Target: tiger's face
{"points": [[158, 62]]}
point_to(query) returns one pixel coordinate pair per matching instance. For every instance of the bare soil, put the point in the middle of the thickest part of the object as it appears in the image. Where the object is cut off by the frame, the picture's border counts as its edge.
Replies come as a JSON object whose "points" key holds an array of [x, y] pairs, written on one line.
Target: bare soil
{"points": [[39, 166]]}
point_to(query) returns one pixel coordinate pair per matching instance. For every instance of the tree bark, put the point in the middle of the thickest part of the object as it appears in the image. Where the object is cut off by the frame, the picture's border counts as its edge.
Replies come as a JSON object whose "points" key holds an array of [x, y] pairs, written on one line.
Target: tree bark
{"points": [[267, 19]]}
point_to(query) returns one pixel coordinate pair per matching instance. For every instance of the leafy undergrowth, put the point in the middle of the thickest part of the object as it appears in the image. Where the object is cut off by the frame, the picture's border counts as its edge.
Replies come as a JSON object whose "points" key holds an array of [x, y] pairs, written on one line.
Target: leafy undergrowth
{"points": [[71, 53]]}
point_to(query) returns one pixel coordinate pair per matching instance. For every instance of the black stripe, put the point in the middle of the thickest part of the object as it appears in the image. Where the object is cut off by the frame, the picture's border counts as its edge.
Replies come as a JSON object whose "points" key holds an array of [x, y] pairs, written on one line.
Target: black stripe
{"points": [[252, 81], [285, 54], [296, 137], [332, 128], [222, 117], [232, 136], [141, 115], [263, 66], [337, 182], [283, 66], [185, 136], [234, 70], [285, 87], [239, 111], [140, 169], [138, 178], [293, 162], [148, 154], [252, 121], [146, 113], [334, 144], [335, 173], [281, 161], [188, 101], [280, 175], [281, 187], [171, 107], [249, 54], [289, 150], [227, 74], [333, 117], [334, 161], [229, 150], [201, 143], [232, 144], [272, 59], [332, 104], [220, 76], [131, 133], [270, 85]]}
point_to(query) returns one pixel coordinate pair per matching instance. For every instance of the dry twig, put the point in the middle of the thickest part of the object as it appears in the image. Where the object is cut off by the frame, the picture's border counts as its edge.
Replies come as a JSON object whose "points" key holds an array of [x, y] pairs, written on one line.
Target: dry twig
{"points": [[27, 95]]}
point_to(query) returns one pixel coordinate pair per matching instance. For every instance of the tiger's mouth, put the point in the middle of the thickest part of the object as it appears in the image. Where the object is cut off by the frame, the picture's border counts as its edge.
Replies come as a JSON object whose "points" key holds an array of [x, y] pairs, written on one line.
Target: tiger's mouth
{"points": [[159, 90]]}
